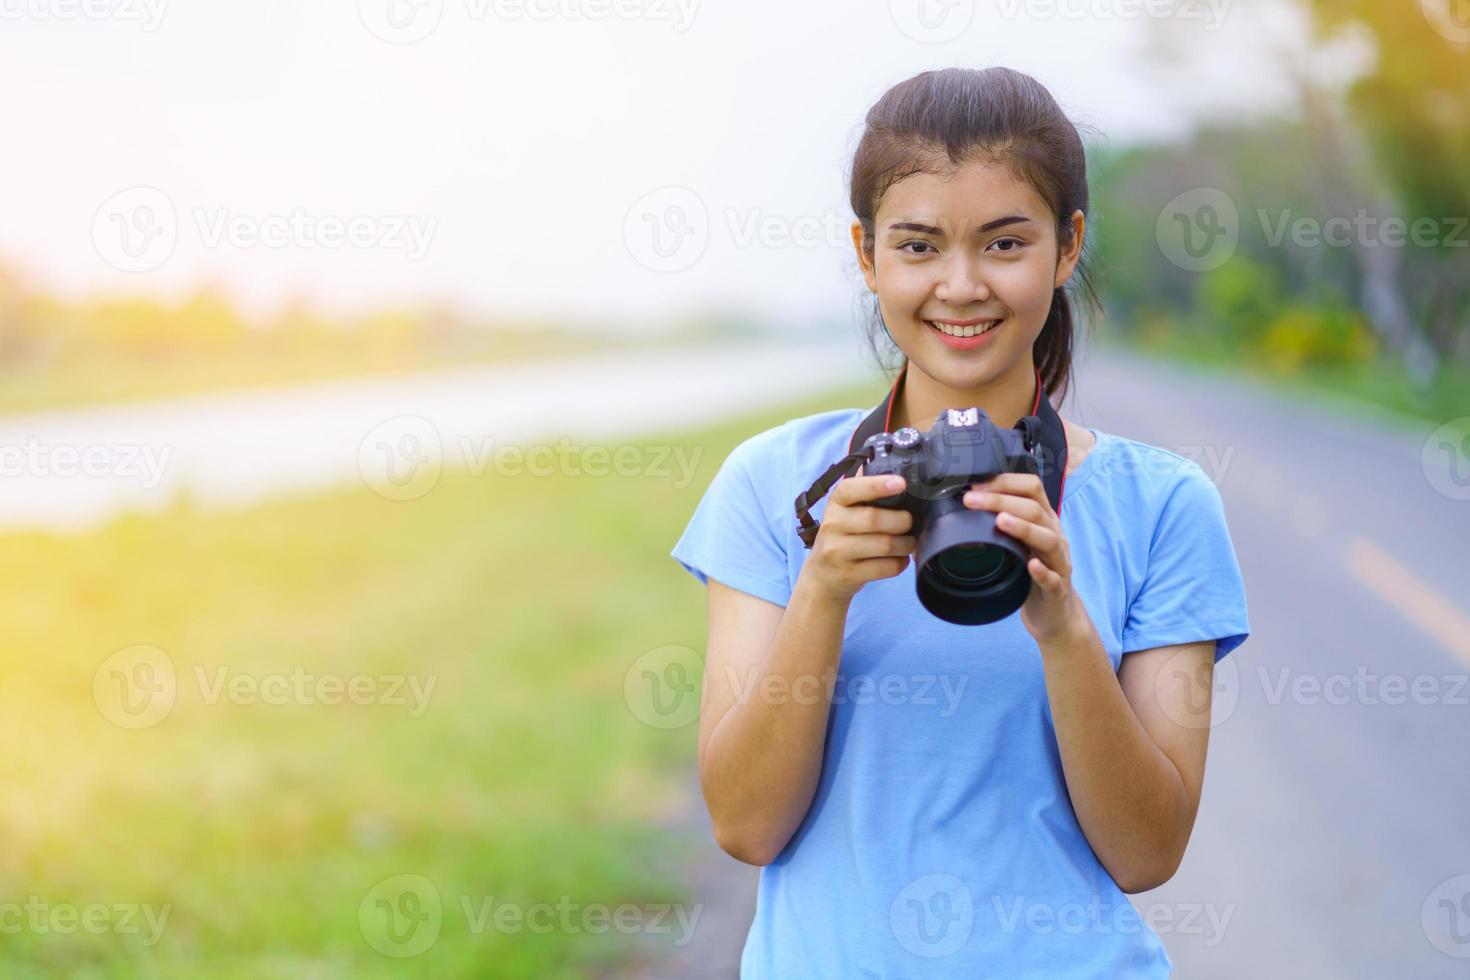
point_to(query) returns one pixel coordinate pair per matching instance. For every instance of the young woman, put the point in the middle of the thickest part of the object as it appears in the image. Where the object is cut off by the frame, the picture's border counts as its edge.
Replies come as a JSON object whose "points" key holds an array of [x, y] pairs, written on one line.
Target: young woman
{"points": [[930, 799]]}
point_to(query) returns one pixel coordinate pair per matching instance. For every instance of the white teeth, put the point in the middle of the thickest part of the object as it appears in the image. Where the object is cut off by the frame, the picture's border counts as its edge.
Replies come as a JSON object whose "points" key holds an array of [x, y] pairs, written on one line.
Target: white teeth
{"points": [[963, 331]]}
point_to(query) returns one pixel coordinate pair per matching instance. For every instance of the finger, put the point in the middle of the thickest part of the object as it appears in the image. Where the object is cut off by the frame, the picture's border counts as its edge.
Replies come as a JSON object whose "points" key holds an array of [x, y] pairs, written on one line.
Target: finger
{"points": [[1021, 484], [869, 519], [1049, 580], [1023, 507], [860, 489], [861, 546], [883, 567], [1040, 539]]}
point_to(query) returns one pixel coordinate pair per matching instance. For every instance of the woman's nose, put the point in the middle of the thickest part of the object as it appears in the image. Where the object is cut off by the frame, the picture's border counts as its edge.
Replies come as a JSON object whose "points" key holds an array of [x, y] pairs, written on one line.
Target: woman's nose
{"points": [[961, 282]]}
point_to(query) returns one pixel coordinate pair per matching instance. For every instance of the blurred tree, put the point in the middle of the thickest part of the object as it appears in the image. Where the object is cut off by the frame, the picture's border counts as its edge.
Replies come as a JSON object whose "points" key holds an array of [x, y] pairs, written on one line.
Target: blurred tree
{"points": [[1411, 115], [208, 322]]}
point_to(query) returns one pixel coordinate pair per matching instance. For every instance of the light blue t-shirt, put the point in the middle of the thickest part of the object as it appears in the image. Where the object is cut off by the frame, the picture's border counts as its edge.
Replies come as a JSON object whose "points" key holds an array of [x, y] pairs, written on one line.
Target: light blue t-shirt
{"points": [[941, 841]]}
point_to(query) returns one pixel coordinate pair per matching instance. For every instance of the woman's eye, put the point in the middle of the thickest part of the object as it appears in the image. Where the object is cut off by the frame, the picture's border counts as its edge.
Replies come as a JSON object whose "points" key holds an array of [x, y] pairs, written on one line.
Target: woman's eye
{"points": [[1014, 241], [905, 245]]}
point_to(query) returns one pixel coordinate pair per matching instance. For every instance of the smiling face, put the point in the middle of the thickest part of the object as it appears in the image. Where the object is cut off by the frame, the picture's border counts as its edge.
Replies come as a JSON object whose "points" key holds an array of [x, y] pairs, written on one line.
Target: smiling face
{"points": [[972, 244]]}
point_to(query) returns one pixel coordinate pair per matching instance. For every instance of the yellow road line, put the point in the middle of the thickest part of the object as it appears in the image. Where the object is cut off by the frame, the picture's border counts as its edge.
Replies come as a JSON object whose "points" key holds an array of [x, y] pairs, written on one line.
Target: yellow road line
{"points": [[1430, 611]]}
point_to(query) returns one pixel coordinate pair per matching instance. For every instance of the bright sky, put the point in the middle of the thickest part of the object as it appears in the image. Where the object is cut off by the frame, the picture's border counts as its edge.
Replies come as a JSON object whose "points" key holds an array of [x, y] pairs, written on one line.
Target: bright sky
{"points": [[501, 154]]}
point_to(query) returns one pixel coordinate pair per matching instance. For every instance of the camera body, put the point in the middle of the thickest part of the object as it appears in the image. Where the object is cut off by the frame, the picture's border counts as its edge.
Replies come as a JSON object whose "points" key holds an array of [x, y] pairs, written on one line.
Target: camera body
{"points": [[963, 447], [968, 571]]}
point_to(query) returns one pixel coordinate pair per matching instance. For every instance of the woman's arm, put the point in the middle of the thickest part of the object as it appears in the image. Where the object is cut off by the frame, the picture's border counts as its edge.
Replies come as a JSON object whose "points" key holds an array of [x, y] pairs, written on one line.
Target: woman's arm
{"points": [[769, 673], [763, 714], [1132, 747], [1132, 744]]}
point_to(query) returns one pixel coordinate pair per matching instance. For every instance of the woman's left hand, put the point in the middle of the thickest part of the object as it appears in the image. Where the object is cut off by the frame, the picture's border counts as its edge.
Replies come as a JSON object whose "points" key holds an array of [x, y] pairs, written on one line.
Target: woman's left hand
{"points": [[1052, 610]]}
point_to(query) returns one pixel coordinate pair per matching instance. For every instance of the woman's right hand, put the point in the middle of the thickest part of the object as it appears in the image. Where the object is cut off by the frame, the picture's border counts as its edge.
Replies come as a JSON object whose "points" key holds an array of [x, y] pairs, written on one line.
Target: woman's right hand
{"points": [[858, 542]]}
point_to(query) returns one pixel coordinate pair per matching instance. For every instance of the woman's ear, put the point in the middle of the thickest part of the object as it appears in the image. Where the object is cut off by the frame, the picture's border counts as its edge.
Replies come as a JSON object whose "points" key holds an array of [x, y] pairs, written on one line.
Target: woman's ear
{"points": [[1069, 255], [869, 274]]}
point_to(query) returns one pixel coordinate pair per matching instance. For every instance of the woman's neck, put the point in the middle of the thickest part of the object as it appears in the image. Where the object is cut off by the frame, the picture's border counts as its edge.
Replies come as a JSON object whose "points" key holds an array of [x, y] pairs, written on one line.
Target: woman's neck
{"points": [[1006, 401]]}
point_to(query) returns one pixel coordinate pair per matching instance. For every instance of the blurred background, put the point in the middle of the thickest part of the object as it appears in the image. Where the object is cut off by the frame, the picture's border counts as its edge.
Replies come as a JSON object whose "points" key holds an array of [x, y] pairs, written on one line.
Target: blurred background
{"points": [[360, 362]]}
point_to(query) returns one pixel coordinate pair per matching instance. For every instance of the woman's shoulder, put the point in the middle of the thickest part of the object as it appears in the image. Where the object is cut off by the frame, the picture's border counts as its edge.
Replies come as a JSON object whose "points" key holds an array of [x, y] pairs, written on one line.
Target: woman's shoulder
{"points": [[1123, 466], [792, 447]]}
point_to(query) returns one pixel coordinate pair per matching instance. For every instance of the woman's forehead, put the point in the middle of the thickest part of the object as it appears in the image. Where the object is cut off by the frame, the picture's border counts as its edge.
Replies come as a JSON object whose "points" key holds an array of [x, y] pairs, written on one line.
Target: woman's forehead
{"points": [[970, 192]]}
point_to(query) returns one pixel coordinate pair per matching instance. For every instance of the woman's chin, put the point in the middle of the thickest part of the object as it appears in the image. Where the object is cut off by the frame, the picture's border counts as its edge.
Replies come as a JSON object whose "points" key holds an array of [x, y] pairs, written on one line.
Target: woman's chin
{"points": [[961, 369]]}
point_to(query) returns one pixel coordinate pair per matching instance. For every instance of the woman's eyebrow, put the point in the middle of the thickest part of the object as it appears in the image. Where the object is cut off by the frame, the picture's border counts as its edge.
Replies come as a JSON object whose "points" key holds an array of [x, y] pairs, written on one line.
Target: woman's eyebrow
{"points": [[1009, 219]]}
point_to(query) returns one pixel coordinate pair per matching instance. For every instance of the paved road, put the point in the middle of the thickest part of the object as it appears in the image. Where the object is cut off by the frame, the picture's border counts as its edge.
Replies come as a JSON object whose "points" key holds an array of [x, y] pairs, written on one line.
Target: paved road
{"points": [[78, 467], [1336, 815], [1337, 798]]}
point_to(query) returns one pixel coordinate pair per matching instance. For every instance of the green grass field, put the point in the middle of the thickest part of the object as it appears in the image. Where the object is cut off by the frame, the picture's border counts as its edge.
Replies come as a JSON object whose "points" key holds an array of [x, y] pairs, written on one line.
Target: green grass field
{"points": [[265, 829]]}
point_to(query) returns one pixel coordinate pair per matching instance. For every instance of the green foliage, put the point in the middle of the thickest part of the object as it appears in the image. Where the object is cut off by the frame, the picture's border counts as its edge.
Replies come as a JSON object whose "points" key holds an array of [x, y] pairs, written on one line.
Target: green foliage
{"points": [[1328, 335], [1242, 298], [1415, 101]]}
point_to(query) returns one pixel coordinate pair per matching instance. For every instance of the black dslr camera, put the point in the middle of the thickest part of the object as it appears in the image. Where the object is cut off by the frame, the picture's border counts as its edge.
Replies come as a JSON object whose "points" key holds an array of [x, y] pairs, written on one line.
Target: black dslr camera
{"points": [[968, 571]]}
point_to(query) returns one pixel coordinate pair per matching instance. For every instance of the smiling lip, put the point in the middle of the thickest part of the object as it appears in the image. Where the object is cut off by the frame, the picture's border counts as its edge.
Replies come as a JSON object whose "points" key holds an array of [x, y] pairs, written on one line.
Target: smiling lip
{"points": [[965, 323], [968, 343]]}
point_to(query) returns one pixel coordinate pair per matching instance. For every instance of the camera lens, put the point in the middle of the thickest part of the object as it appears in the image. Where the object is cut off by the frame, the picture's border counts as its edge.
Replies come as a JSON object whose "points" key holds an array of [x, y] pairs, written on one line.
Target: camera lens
{"points": [[967, 571], [973, 565]]}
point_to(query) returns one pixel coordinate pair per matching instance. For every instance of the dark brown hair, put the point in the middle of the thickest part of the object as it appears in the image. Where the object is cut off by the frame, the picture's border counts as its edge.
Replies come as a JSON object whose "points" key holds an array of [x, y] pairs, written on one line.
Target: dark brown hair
{"points": [[999, 116]]}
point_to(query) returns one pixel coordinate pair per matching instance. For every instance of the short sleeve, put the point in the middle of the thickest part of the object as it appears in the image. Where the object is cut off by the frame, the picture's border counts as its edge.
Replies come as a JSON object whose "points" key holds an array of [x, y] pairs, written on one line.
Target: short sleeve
{"points": [[1192, 588], [733, 535]]}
